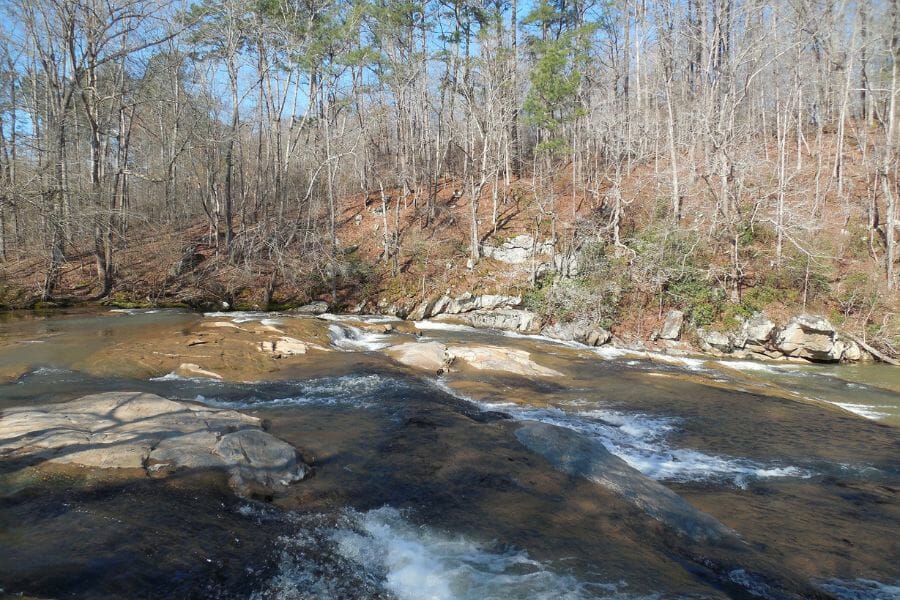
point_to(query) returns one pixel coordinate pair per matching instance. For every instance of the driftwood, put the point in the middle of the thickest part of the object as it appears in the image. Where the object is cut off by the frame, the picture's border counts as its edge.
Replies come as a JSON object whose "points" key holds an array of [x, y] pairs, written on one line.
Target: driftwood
{"points": [[878, 355]]}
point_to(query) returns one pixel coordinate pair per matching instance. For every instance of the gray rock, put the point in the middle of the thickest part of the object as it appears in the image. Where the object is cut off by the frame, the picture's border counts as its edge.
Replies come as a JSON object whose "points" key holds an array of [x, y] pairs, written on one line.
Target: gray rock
{"points": [[578, 332], [144, 431], [757, 330], [716, 340], [671, 329], [467, 302], [853, 353], [811, 337], [515, 251], [580, 456], [313, 308], [507, 319]]}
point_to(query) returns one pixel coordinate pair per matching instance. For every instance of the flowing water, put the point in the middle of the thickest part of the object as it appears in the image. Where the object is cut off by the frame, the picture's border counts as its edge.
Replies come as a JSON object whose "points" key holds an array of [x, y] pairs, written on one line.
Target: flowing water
{"points": [[422, 487]]}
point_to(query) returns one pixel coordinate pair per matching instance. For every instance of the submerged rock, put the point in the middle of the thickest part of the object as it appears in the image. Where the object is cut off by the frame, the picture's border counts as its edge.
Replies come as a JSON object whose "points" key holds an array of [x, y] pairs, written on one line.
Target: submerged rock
{"points": [[579, 456], [132, 430]]}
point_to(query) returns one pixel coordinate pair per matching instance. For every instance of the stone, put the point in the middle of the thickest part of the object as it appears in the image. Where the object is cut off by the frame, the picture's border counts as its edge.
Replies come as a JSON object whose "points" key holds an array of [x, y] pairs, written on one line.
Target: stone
{"points": [[715, 339], [580, 456], [577, 332], [498, 358], [671, 329], [506, 319], [318, 307], [811, 337], [516, 250], [428, 356], [758, 329], [190, 370], [132, 430], [853, 353]]}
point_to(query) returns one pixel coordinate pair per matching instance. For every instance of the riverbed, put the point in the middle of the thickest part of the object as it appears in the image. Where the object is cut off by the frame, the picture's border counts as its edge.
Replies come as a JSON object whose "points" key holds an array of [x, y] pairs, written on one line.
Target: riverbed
{"points": [[424, 486]]}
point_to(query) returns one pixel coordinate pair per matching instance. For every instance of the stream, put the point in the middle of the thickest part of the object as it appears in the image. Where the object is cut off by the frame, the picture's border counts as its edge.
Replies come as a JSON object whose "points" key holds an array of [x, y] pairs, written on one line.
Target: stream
{"points": [[750, 479]]}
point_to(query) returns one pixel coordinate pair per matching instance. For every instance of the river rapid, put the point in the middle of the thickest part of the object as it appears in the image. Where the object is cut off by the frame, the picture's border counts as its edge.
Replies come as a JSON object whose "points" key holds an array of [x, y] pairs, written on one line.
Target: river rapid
{"points": [[622, 475]]}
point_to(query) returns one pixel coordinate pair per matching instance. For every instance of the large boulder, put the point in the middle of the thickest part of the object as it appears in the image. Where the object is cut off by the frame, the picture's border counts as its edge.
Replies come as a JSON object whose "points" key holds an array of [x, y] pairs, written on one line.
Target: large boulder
{"points": [[318, 307], [583, 333], [430, 356], [500, 358], [757, 331], [132, 430], [671, 329], [811, 337], [714, 340]]}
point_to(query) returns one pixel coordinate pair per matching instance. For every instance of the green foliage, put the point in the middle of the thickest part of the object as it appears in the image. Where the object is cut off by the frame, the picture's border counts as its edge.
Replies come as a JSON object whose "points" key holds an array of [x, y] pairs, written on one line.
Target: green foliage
{"points": [[701, 301], [560, 53], [595, 295]]}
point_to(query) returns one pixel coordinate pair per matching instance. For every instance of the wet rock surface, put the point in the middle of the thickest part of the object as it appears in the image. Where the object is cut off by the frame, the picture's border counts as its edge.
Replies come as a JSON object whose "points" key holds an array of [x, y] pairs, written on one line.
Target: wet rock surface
{"points": [[121, 430]]}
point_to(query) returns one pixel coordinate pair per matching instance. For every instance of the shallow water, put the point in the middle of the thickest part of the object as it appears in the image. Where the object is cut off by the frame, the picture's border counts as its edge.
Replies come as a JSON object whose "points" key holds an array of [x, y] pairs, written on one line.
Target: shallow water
{"points": [[422, 490]]}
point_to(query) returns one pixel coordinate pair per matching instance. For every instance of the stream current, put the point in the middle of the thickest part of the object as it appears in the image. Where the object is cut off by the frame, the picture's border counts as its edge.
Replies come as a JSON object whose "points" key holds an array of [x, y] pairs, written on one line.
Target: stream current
{"points": [[422, 487]]}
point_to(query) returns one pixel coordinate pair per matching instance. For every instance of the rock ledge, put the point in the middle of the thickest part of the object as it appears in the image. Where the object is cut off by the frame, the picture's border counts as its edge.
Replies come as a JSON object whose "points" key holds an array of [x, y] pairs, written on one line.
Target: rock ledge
{"points": [[144, 431]]}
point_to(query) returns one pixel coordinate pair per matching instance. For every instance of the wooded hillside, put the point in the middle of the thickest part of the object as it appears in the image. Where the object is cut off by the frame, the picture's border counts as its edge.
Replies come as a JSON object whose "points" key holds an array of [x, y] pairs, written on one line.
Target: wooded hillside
{"points": [[722, 156]]}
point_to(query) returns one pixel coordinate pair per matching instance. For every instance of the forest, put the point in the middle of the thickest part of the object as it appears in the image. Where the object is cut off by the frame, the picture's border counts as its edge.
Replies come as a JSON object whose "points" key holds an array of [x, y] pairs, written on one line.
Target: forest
{"points": [[720, 156]]}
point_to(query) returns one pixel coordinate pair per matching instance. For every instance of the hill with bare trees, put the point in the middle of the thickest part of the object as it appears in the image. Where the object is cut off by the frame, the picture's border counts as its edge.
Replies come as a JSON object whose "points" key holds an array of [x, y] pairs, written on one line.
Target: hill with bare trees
{"points": [[722, 157]]}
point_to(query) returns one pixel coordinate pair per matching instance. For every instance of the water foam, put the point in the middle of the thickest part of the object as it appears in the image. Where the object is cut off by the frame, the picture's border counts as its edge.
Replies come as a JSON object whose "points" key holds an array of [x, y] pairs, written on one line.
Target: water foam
{"points": [[136, 311], [246, 316], [354, 339], [867, 411], [380, 552], [861, 589], [640, 440], [359, 391], [443, 326]]}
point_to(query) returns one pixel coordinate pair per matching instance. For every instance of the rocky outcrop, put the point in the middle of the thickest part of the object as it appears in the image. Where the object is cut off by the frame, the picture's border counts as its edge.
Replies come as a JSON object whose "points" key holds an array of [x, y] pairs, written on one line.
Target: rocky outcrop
{"points": [[464, 303], [516, 250], [505, 319], [714, 341], [671, 329], [810, 337], [578, 332], [131, 430]]}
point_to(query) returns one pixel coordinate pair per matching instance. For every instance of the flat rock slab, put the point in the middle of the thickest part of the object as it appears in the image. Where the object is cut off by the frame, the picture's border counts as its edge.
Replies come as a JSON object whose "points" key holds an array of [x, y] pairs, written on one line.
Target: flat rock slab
{"points": [[499, 358], [430, 356], [144, 431]]}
